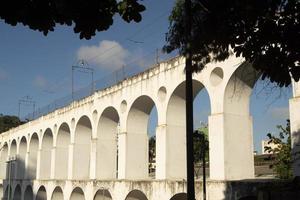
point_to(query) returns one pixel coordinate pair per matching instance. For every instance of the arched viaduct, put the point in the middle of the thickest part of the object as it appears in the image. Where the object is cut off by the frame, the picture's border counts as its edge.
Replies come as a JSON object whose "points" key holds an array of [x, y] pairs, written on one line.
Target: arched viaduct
{"points": [[97, 148]]}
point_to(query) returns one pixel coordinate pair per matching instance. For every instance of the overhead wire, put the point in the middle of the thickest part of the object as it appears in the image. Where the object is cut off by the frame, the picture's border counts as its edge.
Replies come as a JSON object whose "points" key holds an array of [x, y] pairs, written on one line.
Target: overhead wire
{"points": [[128, 38]]}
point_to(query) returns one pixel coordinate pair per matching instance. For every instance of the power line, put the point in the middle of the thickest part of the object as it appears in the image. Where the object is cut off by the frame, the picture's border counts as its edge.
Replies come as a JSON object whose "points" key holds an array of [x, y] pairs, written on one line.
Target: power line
{"points": [[155, 20]]}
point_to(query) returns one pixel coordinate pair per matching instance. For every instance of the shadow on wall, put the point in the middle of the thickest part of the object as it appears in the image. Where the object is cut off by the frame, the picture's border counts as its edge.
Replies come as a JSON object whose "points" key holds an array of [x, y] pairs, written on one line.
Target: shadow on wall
{"points": [[138, 195], [15, 176], [268, 189]]}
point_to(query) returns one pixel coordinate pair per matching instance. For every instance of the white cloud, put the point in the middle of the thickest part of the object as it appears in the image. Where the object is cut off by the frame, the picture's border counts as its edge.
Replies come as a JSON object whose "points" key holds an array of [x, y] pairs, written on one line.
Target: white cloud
{"points": [[280, 113], [3, 75], [108, 54], [40, 81]]}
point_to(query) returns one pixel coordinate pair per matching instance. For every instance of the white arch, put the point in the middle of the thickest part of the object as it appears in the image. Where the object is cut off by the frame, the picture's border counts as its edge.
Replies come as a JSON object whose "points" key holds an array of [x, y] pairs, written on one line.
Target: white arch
{"points": [[136, 195], [41, 193], [234, 142], [12, 165], [176, 130], [77, 194], [17, 193], [102, 194], [13, 148], [4, 156], [28, 193], [82, 148], [32, 156], [7, 193], [107, 144], [57, 194], [179, 196], [22, 158], [63, 140], [46, 154], [137, 138]]}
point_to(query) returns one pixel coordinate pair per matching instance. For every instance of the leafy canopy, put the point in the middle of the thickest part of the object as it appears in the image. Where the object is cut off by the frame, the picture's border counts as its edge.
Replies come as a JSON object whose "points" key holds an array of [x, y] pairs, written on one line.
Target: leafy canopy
{"points": [[7, 122], [265, 32], [88, 16], [200, 138]]}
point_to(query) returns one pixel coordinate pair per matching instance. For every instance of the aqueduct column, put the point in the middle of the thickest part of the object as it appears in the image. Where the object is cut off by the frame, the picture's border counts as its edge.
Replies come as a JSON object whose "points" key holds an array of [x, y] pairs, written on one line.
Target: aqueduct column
{"points": [[295, 127], [230, 126]]}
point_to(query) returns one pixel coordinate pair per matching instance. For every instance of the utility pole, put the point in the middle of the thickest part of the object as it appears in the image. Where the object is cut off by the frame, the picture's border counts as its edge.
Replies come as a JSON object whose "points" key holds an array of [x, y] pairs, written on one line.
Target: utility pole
{"points": [[189, 104], [27, 100], [82, 67]]}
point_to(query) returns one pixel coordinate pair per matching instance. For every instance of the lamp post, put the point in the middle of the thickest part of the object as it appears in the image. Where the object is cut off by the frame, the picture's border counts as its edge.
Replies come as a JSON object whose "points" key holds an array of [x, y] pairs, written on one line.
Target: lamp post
{"points": [[189, 104]]}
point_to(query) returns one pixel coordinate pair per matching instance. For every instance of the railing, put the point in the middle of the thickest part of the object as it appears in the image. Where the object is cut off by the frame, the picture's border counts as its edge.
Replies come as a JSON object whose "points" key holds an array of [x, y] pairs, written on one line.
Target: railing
{"points": [[115, 77]]}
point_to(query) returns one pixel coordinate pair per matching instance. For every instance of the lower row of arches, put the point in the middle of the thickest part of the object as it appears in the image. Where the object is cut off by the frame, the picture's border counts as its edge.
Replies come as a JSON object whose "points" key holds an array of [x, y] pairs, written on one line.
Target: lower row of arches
{"points": [[77, 194]]}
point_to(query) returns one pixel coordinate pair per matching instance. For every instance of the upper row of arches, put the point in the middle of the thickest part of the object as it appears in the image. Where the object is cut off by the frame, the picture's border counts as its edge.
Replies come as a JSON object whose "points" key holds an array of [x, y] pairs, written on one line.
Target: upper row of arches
{"points": [[73, 140]]}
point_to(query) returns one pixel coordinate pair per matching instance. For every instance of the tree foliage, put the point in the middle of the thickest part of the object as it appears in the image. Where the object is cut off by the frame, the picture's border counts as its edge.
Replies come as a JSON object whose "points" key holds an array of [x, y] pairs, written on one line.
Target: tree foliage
{"points": [[151, 152], [265, 32], [199, 142], [88, 16], [7, 122], [282, 150]]}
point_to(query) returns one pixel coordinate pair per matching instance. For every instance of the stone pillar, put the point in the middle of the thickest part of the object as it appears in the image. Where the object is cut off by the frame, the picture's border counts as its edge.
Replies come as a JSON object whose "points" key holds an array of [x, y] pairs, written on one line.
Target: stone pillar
{"points": [[170, 152], [106, 157], [53, 160], [230, 146], [294, 107], [26, 164], [70, 161], [122, 155], [133, 156], [38, 166], [93, 158], [161, 156]]}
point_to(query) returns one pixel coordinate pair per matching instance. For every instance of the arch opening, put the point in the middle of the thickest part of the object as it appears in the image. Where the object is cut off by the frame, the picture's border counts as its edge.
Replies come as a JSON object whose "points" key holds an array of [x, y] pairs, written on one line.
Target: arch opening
{"points": [[17, 193], [21, 158], [136, 195], [239, 158], [107, 133], [151, 132], [137, 163], [82, 147], [176, 128], [241, 102], [41, 194], [12, 160], [7, 193], [77, 194], [102, 194], [57, 194], [46, 152], [201, 111], [179, 196], [62, 152], [32, 156], [28, 194], [4, 156]]}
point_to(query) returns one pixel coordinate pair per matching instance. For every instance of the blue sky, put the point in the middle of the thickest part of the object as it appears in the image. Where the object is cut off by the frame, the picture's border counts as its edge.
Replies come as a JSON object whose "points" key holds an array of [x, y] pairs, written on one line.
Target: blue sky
{"points": [[38, 66]]}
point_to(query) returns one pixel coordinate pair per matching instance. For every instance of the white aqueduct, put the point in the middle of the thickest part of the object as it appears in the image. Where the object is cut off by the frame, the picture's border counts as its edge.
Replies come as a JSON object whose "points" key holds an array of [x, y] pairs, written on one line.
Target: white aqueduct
{"points": [[97, 148]]}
